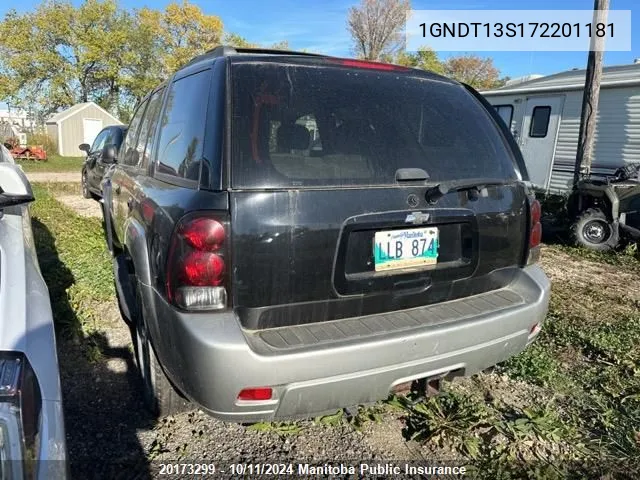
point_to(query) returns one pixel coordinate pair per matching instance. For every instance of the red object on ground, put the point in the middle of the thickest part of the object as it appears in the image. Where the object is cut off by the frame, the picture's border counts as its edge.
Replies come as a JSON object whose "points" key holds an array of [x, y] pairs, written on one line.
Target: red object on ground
{"points": [[29, 153]]}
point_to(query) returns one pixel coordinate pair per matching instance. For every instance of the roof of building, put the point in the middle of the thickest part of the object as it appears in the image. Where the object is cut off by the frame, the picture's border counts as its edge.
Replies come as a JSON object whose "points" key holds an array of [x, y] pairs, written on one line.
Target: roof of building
{"points": [[519, 80], [63, 115], [574, 80]]}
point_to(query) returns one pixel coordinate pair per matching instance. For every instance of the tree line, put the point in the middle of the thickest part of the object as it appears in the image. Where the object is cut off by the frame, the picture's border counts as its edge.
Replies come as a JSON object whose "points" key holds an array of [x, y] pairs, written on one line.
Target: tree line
{"points": [[60, 54]]}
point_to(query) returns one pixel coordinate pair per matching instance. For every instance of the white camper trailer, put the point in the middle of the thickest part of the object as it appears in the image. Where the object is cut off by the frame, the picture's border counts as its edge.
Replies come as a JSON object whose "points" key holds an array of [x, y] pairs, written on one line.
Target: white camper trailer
{"points": [[544, 117]]}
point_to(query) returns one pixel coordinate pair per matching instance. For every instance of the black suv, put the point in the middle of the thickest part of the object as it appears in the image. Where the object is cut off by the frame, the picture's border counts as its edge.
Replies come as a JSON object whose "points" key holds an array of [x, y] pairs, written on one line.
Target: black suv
{"points": [[295, 233], [100, 155]]}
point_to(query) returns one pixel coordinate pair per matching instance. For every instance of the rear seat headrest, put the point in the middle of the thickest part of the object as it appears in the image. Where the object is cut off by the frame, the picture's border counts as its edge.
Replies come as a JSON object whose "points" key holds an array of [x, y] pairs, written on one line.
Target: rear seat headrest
{"points": [[292, 137]]}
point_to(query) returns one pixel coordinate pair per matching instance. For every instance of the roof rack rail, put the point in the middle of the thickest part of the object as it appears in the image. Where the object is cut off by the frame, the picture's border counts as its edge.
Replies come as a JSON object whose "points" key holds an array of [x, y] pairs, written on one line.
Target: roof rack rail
{"points": [[226, 50], [274, 51]]}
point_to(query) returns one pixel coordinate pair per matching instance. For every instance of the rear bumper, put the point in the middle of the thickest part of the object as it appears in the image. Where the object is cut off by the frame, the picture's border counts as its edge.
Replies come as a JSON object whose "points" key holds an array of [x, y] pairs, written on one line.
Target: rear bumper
{"points": [[318, 368]]}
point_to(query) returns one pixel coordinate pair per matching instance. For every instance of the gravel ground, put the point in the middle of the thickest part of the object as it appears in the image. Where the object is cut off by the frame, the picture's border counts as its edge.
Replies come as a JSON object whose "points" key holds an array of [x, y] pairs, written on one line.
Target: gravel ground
{"points": [[47, 177], [86, 207]]}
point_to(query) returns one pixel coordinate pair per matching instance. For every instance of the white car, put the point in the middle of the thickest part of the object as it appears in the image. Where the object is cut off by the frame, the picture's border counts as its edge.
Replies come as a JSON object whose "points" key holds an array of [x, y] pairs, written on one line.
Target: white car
{"points": [[32, 438]]}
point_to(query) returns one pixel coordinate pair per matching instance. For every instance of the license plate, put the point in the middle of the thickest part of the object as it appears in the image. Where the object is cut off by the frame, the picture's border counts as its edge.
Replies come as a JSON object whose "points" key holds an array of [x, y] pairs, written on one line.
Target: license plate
{"points": [[394, 249]]}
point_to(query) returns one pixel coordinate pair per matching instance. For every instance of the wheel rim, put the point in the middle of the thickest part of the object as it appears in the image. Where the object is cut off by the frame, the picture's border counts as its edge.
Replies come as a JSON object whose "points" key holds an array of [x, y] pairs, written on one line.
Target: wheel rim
{"points": [[143, 352], [85, 189], [143, 362], [596, 231]]}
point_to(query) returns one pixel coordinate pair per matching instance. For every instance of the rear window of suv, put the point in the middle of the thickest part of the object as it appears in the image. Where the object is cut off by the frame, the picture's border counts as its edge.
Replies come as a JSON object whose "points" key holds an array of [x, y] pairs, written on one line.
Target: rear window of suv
{"points": [[308, 126]]}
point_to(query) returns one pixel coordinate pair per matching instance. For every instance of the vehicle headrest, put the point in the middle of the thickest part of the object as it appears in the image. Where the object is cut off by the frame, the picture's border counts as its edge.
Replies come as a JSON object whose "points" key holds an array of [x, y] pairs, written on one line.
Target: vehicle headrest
{"points": [[292, 137]]}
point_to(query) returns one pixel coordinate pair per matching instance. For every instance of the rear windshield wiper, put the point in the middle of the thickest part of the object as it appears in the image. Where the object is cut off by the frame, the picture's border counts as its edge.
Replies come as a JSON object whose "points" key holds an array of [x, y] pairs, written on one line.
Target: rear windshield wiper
{"points": [[473, 185]]}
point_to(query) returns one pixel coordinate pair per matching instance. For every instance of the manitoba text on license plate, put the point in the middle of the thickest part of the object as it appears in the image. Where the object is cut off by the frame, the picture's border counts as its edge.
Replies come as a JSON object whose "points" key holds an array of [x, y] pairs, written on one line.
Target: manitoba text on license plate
{"points": [[415, 247]]}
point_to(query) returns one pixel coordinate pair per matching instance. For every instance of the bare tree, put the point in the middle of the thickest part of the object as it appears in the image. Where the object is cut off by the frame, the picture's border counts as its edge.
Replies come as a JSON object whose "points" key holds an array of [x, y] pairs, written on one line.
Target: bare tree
{"points": [[376, 27]]}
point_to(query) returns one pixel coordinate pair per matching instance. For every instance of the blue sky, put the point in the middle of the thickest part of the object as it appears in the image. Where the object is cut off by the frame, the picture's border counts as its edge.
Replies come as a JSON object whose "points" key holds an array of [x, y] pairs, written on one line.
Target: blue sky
{"points": [[320, 25]]}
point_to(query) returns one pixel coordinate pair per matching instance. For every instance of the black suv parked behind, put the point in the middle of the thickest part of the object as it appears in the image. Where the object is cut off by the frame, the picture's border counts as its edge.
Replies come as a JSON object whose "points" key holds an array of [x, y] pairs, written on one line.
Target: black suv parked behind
{"points": [[296, 233], [100, 155]]}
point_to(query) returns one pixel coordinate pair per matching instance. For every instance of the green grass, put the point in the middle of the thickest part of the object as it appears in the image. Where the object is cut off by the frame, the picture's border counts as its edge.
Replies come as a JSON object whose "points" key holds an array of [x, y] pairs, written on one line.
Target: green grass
{"points": [[626, 257], [599, 385], [55, 163], [74, 262]]}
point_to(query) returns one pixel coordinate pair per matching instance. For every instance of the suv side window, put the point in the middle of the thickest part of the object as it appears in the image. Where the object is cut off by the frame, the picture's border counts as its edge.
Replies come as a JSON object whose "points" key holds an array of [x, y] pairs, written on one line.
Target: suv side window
{"points": [[129, 148], [148, 127], [116, 137], [99, 142], [183, 126], [109, 138]]}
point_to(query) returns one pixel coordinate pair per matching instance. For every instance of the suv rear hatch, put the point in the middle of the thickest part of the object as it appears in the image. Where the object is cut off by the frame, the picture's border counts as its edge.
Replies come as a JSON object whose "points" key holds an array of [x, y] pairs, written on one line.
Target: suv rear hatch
{"points": [[335, 208]]}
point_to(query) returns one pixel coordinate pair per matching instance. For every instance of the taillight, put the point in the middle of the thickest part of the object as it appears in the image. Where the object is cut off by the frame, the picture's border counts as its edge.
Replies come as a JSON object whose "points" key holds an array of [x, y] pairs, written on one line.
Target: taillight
{"points": [[20, 413], [535, 231], [196, 267], [203, 234], [202, 269], [255, 394]]}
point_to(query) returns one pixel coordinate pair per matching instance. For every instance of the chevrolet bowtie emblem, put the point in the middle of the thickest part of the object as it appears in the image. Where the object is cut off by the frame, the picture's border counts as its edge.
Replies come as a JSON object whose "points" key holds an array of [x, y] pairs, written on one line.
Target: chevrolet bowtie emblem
{"points": [[417, 218]]}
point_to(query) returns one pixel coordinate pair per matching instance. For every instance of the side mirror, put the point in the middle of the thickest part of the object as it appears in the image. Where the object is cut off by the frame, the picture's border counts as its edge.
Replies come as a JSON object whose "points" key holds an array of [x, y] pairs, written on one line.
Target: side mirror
{"points": [[14, 186], [85, 147], [109, 154]]}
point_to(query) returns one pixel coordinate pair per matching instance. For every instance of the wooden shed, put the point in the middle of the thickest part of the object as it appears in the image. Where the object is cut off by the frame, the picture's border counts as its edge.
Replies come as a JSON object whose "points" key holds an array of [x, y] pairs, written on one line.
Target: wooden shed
{"points": [[78, 124]]}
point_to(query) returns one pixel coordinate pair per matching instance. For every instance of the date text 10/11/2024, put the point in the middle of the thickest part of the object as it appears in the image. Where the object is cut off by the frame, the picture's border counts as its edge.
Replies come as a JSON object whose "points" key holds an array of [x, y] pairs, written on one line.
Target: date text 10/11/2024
{"points": [[290, 469]]}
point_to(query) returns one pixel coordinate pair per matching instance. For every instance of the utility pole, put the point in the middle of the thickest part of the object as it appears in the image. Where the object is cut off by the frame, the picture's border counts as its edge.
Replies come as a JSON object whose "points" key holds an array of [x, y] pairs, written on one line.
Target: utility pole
{"points": [[591, 92]]}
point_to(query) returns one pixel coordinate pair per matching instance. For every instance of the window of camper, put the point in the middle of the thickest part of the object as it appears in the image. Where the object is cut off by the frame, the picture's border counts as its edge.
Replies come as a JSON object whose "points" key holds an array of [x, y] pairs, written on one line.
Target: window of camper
{"points": [[540, 122], [506, 113]]}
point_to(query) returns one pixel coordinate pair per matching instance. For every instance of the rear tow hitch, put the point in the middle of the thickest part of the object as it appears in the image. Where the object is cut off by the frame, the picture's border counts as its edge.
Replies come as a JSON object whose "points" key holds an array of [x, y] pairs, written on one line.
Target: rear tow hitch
{"points": [[420, 389], [424, 388]]}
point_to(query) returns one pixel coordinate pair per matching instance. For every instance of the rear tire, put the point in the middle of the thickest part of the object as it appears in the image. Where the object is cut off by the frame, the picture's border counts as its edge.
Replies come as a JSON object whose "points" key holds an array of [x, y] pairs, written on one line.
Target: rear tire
{"points": [[593, 230], [85, 187], [159, 395]]}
